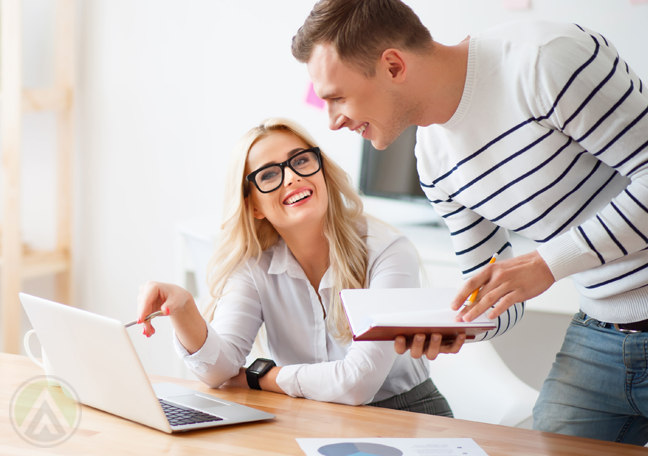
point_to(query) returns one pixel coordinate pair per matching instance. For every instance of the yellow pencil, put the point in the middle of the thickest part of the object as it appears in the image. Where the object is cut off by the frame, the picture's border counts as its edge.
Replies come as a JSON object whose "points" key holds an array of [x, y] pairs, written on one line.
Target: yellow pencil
{"points": [[473, 296]]}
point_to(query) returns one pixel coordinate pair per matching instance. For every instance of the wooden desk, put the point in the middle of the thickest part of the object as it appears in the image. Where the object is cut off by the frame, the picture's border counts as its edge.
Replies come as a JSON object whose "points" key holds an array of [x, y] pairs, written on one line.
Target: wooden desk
{"points": [[102, 433]]}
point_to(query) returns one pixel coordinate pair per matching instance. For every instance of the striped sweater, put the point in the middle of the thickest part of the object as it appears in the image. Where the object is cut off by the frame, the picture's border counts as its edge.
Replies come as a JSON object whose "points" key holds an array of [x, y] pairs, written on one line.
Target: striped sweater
{"points": [[550, 140]]}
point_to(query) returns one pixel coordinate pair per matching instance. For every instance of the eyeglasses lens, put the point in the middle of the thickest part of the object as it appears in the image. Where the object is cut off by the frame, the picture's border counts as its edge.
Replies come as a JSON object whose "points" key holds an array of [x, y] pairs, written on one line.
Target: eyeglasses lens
{"points": [[304, 164]]}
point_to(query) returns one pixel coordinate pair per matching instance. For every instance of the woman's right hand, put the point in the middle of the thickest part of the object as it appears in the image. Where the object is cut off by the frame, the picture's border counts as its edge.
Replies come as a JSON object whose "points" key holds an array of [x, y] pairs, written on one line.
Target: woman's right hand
{"points": [[166, 297]]}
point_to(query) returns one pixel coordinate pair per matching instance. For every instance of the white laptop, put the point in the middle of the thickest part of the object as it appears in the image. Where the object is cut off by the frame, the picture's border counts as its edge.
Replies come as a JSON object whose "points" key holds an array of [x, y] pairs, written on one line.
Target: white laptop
{"points": [[94, 355]]}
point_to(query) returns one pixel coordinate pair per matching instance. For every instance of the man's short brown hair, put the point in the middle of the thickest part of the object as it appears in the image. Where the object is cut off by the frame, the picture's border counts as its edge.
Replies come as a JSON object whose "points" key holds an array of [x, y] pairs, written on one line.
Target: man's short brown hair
{"points": [[360, 31]]}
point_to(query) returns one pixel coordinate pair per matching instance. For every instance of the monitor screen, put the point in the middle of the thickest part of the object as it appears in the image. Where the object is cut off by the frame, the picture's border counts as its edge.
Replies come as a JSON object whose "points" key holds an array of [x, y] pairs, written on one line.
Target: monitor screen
{"points": [[391, 173]]}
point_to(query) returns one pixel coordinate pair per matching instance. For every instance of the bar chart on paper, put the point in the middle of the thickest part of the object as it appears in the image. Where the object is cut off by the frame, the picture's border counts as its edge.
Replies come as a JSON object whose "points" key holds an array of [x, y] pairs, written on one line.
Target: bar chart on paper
{"points": [[390, 447]]}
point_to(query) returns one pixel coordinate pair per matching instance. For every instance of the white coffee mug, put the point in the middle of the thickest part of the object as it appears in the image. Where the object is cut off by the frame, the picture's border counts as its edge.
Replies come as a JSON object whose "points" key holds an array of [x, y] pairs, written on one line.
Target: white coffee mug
{"points": [[49, 372]]}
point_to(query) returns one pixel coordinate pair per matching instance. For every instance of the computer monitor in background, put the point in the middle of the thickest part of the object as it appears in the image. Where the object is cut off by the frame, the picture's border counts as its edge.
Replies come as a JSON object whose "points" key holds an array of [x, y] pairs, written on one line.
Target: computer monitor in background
{"points": [[390, 183], [391, 173]]}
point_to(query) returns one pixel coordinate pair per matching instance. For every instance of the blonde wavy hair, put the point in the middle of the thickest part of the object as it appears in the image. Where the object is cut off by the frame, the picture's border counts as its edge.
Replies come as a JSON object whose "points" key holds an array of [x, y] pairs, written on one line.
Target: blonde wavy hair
{"points": [[243, 237]]}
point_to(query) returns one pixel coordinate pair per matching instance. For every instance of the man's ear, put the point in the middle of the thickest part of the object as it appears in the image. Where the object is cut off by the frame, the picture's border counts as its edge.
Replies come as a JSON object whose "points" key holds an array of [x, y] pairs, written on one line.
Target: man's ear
{"points": [[394, 61], [255, 212]]}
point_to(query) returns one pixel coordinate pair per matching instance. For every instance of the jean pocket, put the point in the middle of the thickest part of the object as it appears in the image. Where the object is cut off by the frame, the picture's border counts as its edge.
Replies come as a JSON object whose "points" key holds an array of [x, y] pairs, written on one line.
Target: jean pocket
{"points": [[582, 319]]}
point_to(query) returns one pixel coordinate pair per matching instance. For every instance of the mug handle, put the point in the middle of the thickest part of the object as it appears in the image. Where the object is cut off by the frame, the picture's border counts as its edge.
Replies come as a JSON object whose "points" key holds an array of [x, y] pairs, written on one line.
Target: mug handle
{"points": [[28, 350]]}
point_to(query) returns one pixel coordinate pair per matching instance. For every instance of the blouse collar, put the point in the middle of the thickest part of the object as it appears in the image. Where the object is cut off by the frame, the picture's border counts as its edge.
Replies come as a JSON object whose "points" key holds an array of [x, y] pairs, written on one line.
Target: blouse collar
{"points": [[283, 261]]}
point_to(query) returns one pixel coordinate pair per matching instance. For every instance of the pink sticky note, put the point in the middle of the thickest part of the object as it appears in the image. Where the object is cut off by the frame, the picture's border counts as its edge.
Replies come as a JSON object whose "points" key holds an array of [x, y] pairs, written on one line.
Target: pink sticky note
{"points": [[636, 2], [517, 4], [313, 99]]}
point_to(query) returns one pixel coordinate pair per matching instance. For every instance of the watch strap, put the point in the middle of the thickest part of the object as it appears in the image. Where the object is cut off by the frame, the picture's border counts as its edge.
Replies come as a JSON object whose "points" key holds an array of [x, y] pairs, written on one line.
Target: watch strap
{"points": [[253, 380], [253, 375]]}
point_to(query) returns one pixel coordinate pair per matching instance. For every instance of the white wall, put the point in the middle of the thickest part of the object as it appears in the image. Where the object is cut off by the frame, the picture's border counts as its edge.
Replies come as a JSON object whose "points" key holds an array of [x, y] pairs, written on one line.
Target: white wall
{"points": [[619, 21], [167, 87]]}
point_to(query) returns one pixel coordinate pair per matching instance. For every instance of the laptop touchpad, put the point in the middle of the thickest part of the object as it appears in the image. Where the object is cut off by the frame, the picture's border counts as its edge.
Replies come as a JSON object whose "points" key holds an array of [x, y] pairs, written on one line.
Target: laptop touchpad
{"points": [[198, 402]]}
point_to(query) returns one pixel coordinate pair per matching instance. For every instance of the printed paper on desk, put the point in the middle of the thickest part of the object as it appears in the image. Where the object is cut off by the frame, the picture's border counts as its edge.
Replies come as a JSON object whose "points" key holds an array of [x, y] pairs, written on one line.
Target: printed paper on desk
{"points": [[383, 314], [390, 447]]}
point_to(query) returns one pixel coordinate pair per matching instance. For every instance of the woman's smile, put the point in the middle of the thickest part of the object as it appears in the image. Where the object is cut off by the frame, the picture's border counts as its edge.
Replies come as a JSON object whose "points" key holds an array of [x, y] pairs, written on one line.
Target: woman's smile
{"points": [[298, 197]]}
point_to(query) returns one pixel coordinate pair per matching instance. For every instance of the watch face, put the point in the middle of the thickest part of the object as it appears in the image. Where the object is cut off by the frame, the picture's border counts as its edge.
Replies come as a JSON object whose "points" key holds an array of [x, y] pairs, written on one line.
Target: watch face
{"points": [[259, 365]]}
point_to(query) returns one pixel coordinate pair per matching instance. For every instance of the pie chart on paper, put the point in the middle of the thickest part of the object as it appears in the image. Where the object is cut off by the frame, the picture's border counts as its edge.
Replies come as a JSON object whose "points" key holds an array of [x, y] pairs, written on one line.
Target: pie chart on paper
{"points": [[359, 449]]}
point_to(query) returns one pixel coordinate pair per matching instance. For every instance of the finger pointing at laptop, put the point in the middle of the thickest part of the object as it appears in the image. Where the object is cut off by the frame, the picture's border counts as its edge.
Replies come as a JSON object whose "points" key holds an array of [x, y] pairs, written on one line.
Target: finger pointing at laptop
{"points": [[177, 303]]}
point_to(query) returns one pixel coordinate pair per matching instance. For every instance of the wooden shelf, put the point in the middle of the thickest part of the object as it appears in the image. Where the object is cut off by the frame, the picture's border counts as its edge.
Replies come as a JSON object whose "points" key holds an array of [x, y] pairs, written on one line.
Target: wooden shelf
{"points": [[17, 265], [49, 99], [39, 263]]}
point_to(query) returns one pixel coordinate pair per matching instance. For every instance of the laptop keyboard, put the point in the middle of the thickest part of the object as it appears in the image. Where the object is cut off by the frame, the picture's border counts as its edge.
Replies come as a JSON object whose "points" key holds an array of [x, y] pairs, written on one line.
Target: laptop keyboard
{"points": [[178, 415]]}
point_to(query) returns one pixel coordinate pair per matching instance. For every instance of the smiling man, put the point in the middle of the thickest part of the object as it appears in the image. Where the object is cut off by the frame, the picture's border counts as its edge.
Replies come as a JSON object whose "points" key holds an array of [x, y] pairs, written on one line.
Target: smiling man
{"points": [[380, 97], [535, 127]]}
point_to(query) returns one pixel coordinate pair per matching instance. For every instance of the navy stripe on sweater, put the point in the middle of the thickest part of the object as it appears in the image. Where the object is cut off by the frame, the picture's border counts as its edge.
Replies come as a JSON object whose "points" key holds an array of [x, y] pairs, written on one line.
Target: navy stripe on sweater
{"points": [[564, 197], [612, 236], [591, 246], [593, 92], [606, 42], [608, 113], [622, 132], [582, 208], [640, 165], [622, 276], [502, 163], [466, 228], [454, 212], [635, 152], [485, 262], [523, 176], [630, 224], [482, 242], [473, 155], [636, 200], [526, 122], [541, 191]]}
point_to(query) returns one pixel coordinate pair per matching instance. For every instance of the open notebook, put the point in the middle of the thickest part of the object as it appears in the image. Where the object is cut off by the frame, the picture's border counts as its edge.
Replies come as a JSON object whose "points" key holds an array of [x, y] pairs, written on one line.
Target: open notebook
{"points": [[383, 314]]}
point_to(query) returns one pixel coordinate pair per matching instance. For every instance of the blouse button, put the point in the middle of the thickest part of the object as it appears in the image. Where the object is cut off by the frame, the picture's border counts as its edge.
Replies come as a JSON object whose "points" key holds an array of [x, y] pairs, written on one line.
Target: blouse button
{"points": [[199, 366]]}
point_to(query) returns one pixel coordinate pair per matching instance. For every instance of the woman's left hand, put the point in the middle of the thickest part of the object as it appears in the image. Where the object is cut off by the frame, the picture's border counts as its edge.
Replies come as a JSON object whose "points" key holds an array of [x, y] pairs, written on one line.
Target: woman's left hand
{"points": [[239, 380], [268, 382]]}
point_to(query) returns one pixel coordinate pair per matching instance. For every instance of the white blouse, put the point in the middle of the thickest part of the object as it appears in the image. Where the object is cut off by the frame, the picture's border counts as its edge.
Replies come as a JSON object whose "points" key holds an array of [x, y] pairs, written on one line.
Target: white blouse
{"points": [[314, 365]]}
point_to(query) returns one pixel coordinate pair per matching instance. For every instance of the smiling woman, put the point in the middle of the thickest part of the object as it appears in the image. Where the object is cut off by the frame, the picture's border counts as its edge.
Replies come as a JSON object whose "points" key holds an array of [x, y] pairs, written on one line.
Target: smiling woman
{"points": [[294, 235], [320, 229]]}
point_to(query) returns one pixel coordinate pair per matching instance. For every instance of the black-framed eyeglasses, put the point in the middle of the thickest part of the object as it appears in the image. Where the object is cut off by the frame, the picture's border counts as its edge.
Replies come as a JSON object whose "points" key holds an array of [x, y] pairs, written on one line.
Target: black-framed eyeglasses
{"points": [[269, 178]]}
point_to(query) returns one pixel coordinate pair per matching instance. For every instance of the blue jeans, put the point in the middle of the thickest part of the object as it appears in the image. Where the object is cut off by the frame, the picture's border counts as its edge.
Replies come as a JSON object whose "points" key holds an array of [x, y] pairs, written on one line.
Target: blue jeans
{"points": [[598, 385]]}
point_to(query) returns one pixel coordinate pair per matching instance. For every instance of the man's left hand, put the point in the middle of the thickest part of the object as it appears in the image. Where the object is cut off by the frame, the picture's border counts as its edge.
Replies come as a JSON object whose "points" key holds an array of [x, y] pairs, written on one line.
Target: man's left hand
{"points": [[431, 347]]}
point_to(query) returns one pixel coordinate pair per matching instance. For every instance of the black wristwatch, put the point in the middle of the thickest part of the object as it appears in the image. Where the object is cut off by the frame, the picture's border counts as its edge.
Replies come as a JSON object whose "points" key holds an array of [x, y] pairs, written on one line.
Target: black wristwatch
{"points": [[258, 369]]}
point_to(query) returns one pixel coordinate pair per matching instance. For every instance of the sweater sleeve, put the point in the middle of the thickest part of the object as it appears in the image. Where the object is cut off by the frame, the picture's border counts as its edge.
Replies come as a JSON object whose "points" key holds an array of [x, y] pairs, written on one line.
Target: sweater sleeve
{"points": [[590, 94], [475, 240]]}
